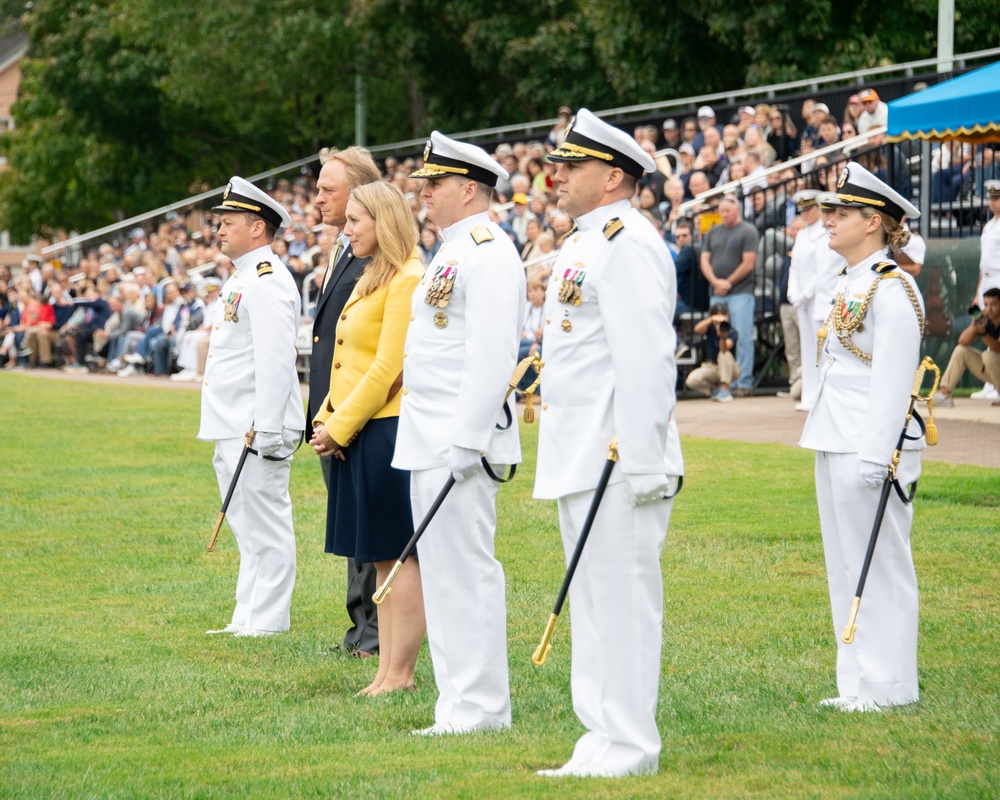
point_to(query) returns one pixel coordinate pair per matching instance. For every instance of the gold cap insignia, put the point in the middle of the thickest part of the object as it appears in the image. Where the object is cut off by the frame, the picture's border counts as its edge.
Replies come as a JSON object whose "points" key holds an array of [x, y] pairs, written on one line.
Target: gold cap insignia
{"points": [[427, 150], [843, 178]]}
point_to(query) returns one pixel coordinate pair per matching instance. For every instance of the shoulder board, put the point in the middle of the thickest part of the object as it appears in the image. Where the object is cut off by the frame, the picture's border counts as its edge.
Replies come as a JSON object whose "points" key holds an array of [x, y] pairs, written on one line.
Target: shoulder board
{"points": [[613, 227], [843, 270], [481, 234], [264, 268], [569, 233], [882, 267]]}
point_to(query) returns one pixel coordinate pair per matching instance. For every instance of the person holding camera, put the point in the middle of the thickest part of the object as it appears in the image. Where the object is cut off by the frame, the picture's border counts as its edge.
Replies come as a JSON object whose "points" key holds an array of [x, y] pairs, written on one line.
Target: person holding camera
{"points": [[984, 364], [719, 369]]}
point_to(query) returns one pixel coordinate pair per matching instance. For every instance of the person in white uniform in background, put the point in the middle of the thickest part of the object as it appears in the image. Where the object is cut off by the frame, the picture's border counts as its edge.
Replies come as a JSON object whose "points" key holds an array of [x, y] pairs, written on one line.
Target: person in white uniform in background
{"points": [[989, 266], [610, 375], [870, 356], [250, 379], [802, 286], [460, 352]]}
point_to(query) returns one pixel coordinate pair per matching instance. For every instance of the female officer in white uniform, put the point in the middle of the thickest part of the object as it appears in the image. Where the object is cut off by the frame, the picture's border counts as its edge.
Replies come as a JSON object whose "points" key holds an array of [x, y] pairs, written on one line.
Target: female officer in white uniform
{"points": [[871, 353]]}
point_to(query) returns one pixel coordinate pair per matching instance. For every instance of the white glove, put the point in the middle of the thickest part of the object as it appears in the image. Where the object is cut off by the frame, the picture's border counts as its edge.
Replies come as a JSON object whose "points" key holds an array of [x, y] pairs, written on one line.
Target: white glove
{"points": [[267, 444], [872, 474], [643, 489], [463, 462]]}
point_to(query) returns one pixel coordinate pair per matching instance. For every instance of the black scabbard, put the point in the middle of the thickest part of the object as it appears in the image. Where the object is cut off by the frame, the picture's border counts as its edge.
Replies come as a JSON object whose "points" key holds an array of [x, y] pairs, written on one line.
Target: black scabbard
{"points": [[542, 651], [247, 444]]}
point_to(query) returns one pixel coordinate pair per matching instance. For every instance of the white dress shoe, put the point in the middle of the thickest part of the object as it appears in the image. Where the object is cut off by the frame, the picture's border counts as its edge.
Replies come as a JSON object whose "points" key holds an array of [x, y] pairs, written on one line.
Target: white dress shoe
{"points": [[232, 627], [986, 393], [861, 706], [801, 407], [435, 730], [836, 702], [253, 633]]}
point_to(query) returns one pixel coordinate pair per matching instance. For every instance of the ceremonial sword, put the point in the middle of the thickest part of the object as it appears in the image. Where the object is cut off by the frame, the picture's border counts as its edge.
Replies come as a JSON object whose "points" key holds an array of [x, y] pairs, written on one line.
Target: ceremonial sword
{"points": [[522, 367], [247, 443], [892, 481]]}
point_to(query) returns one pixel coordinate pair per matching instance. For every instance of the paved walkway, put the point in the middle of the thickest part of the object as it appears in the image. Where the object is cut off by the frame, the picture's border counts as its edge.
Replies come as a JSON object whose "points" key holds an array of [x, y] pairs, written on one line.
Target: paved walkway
{"points": [[969, 433]]}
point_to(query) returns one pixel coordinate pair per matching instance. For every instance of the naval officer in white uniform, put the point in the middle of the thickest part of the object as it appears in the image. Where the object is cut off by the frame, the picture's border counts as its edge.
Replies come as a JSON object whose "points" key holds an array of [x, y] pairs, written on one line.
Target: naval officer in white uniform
{"points": [[610, 374], [461, 349], [811, 257], [870, 356], [250, 379], [989, 265]]}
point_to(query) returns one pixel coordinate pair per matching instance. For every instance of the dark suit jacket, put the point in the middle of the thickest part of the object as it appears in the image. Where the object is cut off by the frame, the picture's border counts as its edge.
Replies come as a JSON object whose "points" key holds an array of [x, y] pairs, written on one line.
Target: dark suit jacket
{"points": [[329, 307]]}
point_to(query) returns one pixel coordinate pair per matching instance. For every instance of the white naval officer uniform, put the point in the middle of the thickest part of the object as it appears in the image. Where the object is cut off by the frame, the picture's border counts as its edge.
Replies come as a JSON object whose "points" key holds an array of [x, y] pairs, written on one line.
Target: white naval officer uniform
{"points": [[610, 374], [250, 378], [857, 415], [989, 258], [458, 361], [812, 281]]}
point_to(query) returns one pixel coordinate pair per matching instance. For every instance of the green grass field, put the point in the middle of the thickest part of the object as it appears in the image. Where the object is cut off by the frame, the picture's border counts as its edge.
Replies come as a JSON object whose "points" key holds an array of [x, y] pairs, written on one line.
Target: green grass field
{"points": [[109, 687]]}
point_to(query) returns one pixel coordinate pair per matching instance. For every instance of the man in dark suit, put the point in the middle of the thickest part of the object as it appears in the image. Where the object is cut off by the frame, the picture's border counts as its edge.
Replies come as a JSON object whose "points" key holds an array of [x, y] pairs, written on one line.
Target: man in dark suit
{"points": [[341, 173]]}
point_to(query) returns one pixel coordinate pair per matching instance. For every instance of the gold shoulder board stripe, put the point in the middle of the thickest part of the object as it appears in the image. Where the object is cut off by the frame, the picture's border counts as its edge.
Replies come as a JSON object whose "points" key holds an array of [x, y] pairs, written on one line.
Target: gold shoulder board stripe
{"points": [[481, 234], [613, 228], [570, 232], [882, 267], [843, 271], [264, 268]]}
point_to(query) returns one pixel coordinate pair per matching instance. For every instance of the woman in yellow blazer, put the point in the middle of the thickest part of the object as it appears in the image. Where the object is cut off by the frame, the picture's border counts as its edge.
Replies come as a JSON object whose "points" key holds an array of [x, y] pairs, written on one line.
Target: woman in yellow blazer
{"points": [[368, 510]]}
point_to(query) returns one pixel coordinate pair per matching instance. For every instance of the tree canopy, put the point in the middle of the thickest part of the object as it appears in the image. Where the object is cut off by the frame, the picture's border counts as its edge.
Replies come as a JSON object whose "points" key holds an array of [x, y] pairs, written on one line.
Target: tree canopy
{"points": [[126, 105]]}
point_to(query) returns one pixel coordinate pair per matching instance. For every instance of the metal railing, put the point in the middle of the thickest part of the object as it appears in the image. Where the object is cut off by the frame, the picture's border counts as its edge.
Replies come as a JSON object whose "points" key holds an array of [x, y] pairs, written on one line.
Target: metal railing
{"points": [[540, 127]]}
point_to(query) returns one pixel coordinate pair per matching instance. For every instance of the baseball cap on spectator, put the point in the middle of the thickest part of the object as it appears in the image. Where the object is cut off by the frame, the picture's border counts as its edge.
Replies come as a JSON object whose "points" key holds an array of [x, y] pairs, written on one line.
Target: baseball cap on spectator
{"points": [[669, 125], [589, 137], [137, 233], [821, 107], [868, 94], [686, 147], [706, 112], [520, 198], [241, 195], [748, 110]]}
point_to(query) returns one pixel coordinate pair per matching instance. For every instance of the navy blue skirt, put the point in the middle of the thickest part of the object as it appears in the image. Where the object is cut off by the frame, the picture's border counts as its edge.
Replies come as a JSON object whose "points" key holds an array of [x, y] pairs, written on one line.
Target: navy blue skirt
{"points": [[368, 516]]}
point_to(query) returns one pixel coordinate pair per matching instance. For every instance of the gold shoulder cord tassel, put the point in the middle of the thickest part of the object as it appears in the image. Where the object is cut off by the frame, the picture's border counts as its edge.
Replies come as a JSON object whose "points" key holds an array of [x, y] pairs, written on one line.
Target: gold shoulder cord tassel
{"points": [[529, 393], [931, 433]]}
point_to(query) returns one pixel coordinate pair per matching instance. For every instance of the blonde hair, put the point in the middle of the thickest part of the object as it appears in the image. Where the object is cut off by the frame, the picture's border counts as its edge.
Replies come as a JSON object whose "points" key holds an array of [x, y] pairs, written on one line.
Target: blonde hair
{"points": [[894, 235], [395, 232], [359, 166]]}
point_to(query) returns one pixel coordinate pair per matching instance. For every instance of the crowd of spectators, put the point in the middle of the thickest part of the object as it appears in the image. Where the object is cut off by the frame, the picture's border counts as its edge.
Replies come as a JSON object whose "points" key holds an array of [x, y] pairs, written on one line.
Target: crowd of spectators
{"points": [[144, 307]]}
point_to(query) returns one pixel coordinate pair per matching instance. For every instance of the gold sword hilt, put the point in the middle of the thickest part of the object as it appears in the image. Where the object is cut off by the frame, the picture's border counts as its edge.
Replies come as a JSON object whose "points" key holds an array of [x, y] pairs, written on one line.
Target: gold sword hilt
{"points": [[215, 532], [848, 635], [545, 646], [382, 591]]}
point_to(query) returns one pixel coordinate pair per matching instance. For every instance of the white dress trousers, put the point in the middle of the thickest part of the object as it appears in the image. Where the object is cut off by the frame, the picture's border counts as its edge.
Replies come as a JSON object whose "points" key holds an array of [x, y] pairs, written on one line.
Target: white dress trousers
{"points": [[881, 663], [260, 515], [616, 681], [464, 600]]}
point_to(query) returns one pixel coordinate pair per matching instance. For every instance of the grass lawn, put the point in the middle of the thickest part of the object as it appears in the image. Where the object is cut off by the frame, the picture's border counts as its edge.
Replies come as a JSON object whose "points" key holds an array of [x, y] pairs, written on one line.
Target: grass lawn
{"points": [[109, 687]]}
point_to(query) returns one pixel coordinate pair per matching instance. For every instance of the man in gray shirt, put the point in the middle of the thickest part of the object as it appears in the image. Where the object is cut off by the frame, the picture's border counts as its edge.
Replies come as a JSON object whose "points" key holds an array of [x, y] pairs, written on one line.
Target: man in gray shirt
{"points": [[728, 254]]}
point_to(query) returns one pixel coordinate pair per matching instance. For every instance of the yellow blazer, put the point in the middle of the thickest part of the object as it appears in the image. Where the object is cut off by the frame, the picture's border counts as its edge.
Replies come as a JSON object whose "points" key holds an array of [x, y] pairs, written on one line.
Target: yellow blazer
{"points": [[368, 357]]}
